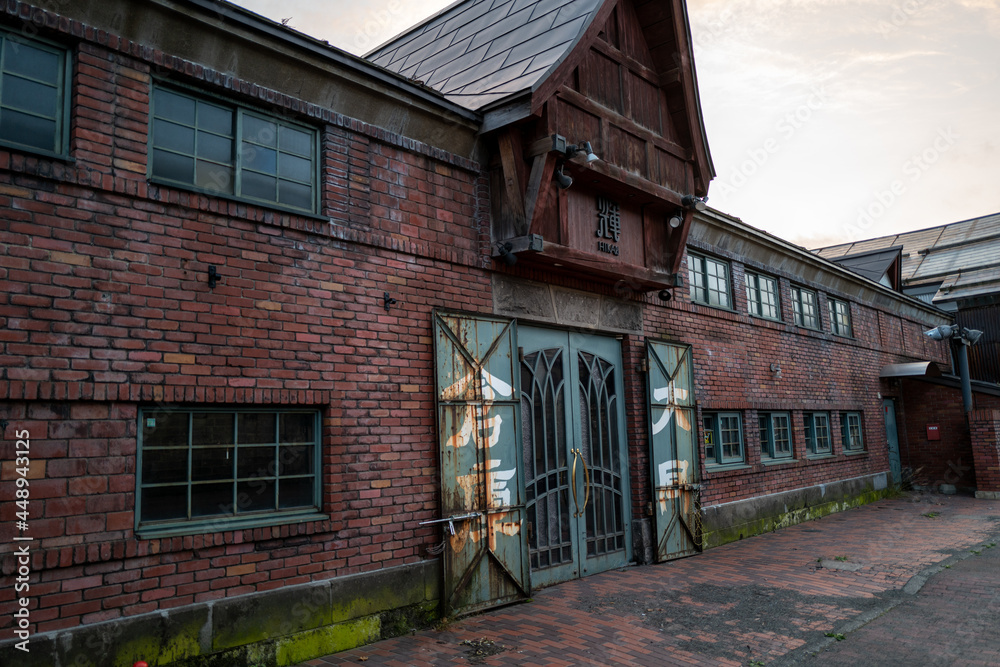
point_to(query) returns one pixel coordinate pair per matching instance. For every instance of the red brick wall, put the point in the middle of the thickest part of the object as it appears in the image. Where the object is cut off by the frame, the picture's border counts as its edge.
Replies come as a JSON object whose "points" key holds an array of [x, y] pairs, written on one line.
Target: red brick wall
{"points": [[985, 427], [104, 307]]}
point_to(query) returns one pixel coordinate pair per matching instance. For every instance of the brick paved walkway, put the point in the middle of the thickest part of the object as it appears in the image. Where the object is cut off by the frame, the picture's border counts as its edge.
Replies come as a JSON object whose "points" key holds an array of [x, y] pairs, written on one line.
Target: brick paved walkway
{"points": [[764, 599]]}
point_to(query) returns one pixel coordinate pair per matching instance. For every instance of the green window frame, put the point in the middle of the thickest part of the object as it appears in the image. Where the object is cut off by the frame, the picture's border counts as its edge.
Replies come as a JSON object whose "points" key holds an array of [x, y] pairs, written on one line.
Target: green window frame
{"points": [[775, 435], [709, 280], [34, 95], [818, 438], [804, 308], [852, 432], [840, 317], [762, 296], [210, 469], [218, 148], [723, 435]]}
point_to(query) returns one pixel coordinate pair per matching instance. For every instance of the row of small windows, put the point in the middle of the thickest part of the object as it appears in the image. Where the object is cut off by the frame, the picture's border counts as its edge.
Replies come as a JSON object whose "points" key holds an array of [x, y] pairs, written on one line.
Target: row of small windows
{"points": [[725, 443], [710, 285], [195, 141]]}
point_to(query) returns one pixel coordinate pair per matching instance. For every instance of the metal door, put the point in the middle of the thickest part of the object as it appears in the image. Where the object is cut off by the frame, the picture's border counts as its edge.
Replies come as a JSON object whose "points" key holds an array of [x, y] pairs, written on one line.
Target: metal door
{"points": [[673, 450], [482, 490], [895, 468], [575, 459]]}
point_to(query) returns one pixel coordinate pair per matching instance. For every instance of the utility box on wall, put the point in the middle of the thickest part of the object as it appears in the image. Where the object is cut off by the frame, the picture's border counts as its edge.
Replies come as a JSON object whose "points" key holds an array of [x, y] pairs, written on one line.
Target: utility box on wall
{"points": [[933, 432]]}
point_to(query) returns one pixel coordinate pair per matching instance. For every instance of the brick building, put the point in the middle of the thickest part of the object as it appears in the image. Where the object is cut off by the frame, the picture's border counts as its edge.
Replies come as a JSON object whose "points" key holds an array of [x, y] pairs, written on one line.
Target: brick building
{"points": [[270, 313]]}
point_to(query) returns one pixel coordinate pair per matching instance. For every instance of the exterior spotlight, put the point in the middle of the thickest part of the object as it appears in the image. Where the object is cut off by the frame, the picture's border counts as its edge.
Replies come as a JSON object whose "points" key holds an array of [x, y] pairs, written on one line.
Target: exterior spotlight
{"points": [[575, 149], [692, 202], [562, 180], [506, 256], [942, 332], [675, 221], [971, 336], [665, 295]]}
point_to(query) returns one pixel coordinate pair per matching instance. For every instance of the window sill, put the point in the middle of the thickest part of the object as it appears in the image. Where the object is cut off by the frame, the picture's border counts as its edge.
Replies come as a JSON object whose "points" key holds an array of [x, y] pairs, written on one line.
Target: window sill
{"points": [[820, 457], [777, 462], [725, 467], [37, 152], [213, 194], [227, 524], [855, 452]]}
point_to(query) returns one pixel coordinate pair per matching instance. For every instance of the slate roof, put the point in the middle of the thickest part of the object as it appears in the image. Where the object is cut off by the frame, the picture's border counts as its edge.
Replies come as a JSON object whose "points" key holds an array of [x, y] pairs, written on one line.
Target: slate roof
{"points": [[963, 257], [477, 52], [872, 264]]}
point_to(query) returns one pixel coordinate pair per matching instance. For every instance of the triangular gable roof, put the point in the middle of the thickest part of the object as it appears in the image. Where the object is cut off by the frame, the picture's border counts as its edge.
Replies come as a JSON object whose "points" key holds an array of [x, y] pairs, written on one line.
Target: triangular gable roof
{"points": [[875, 264], [477, 52]]}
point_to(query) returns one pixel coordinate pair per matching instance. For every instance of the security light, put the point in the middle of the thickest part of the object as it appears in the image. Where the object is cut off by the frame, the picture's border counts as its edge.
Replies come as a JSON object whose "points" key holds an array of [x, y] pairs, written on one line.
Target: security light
{"points": [[562, 180], [696, 203], [943, 332]]}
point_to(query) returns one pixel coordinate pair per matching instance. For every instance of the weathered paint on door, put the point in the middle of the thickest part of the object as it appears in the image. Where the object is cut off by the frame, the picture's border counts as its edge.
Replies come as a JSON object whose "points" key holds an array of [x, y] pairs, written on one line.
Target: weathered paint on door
{"points": [[892, 436], [673, 450], [485, 562], [575, 458]]}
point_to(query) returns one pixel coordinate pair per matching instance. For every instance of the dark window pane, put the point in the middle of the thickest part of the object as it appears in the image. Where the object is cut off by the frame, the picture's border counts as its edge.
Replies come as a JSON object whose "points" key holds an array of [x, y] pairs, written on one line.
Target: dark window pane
{"points": [[215, 148], [163, 503], [212, 463], [38, 98], [259, 131], [212, 176], [295, 168], [174, 106], [295, 141], [212, 428], [256, 462], [31, 61], [209, 499], [295, 194], [258, 186], [215, 119], [297, 427], [28, 130], [255, 495], [164, 429], [162, 466], [257, 428], [295, 493], [173, 167], [173, 136], [259, 158], [295, 460]]}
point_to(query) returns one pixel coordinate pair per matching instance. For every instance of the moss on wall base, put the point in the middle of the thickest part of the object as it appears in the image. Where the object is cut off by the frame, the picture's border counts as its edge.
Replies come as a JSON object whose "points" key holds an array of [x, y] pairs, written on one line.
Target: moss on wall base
{"points": [[734, 521]]}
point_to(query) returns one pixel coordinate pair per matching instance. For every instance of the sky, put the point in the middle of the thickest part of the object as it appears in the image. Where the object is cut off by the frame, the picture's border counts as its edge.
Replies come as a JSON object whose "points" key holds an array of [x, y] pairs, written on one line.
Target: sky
{"points": [[829, 121]]}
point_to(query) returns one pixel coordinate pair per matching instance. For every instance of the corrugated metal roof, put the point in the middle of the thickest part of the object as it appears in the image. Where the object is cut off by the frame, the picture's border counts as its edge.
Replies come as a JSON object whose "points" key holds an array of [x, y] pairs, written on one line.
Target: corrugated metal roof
{"points": [[964, 256], [481, 51]]}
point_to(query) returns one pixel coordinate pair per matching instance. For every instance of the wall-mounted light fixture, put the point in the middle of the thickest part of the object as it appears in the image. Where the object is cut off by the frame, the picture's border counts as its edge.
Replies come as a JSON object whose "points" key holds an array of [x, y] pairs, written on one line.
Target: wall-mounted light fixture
{"points": [[563, 180], [506, 256], [666, 295], [387, 301], [776, 369], [213, 277], [695, 203], [675, 221], [574, 150], [961, 338]]}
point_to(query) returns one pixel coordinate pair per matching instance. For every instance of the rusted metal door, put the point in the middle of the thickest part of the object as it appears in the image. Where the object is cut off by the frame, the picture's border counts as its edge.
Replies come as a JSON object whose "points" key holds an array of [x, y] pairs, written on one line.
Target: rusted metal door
{"points": [[673, 450], [482, 489], [575, 459]]}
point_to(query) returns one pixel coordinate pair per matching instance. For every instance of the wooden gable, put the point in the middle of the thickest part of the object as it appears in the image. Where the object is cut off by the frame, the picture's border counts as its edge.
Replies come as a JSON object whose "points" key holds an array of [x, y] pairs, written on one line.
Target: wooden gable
{"points": [[618, 91]]}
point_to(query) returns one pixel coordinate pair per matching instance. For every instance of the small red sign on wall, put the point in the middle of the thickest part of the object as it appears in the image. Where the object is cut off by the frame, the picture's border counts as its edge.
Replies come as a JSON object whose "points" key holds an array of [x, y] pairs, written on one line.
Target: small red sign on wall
{"points": [[933, 432]]}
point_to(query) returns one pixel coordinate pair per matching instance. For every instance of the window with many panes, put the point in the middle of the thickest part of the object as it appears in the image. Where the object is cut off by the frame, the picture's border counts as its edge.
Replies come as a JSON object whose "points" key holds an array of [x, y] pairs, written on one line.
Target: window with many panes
{"points": [[762, 296], [723, 433], [221, 149], [818, 440], [199, 466], [34, 102], [840, 317], [850, 424], [709, 280], [775, 435], [804, 308]]}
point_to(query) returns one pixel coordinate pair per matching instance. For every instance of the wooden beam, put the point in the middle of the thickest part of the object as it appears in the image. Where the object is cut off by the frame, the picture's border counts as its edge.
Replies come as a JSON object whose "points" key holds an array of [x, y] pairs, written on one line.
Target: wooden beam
{"points": [[509, 157]]}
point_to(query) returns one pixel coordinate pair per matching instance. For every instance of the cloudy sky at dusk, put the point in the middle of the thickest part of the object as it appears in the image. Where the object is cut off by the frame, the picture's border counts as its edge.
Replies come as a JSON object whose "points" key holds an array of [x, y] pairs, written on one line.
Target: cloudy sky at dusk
{"points": [[828, 120]]}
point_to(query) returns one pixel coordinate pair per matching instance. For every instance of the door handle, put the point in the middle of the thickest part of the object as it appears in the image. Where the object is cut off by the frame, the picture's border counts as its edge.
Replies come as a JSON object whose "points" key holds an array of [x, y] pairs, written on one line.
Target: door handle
{"points": [[586, 481], [572, 483]]}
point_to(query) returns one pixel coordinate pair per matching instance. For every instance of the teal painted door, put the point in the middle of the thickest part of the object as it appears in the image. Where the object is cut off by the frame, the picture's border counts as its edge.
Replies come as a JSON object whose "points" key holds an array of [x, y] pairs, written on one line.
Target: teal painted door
{"points": [[574, 451], [673, 450], [895, 468], [482, 487]]}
